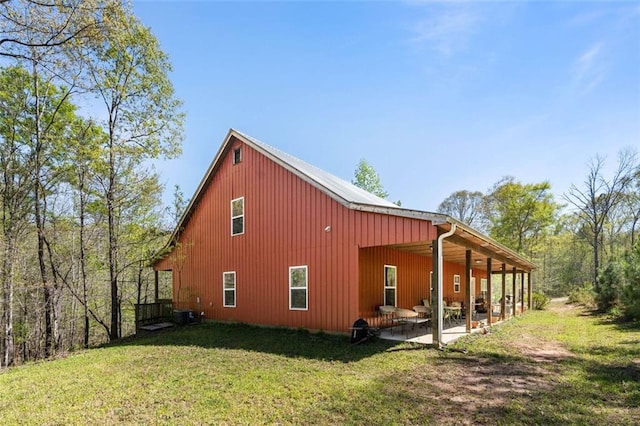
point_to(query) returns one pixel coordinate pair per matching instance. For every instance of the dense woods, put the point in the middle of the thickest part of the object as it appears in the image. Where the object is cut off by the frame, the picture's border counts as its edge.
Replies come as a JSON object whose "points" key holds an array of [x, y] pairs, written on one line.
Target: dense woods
{"points": [[80, 204]]}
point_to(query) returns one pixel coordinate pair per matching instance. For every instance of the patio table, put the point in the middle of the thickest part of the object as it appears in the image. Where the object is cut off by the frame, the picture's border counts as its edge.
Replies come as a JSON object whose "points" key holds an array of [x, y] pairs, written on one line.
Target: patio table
{"points": [[454, 311]]}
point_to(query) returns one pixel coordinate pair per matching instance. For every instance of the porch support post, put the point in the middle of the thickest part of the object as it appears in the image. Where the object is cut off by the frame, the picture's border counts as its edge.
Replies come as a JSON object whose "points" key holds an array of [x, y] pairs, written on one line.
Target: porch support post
{"points": [[503, 302], [436, 315], [155, 288], [529, 295], [489, 295], [467, 291], [514, 299], [522, 292]]}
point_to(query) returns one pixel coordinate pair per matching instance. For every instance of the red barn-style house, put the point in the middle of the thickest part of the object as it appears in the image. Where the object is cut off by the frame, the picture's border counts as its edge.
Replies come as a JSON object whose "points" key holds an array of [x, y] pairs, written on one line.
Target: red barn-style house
{"points": [[269, 239]]}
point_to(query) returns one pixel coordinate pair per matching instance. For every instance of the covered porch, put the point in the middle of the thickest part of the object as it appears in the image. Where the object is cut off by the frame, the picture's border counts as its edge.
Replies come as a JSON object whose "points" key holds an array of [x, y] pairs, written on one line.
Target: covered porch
{"points": [[461, 267], [424, 335]]}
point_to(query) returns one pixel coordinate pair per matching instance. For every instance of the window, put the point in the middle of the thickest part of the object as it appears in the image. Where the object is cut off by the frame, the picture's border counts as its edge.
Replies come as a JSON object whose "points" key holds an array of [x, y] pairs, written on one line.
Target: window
{"points": [[456, 283], [237, 216], [483, 284], [298, 288], [237, 155], [229, 289], [389, 285]]}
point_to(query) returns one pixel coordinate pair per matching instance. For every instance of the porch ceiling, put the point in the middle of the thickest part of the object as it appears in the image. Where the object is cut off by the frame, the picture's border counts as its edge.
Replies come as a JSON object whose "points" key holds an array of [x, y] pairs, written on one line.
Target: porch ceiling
{"points": [[454, 250]]}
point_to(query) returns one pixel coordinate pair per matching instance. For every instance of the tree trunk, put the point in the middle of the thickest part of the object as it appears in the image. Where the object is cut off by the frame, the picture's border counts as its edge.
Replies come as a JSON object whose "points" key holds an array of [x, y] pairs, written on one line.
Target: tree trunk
{"points": [[633, 229], [55, 298], [25, 318], [39, 219], [113, 254], [83, 266], [596, 260], [46, 291], [114, 333], [7, 302]]}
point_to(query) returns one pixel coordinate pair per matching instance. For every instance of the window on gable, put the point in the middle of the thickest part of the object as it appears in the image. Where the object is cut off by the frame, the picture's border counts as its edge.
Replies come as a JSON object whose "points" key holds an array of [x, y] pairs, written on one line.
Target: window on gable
{"points": [[229, 289], [237, 155], [298, 295], [390, 285], [237, 216]]}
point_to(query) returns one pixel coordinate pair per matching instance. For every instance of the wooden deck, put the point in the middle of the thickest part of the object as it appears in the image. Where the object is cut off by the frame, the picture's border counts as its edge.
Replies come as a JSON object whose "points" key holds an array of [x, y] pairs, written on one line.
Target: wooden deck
{"points": [[153, 316]]}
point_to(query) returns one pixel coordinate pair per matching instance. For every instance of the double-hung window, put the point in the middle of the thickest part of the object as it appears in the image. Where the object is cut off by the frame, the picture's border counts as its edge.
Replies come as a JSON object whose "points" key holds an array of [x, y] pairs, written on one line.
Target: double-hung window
{"points": [[237, 216], [298, 288], [456, 283], [229, 289], [389, 285]]}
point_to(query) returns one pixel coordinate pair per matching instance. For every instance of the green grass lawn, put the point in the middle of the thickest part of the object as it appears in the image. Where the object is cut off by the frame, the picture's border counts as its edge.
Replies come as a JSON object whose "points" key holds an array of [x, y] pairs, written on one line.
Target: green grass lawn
{"points": [[562, 366]]}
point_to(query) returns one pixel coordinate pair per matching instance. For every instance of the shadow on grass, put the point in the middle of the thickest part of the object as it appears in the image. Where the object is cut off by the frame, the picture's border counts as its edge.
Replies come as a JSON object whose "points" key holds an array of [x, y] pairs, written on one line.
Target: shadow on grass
{"points": [[619, 351], [615, 373], [485, 387], [619, 322], [278, 341], [627, 325]]}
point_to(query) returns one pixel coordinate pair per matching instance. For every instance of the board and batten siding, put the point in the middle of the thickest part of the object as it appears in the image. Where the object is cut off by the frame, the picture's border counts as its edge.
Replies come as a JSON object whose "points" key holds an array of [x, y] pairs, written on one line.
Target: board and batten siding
{"points": [[284, 225], [287, 222], [412, 278], [412, 275]]}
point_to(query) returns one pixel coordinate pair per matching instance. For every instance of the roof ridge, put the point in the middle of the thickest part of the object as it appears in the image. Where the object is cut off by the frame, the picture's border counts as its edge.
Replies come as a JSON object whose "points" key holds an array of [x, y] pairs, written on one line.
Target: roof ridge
{"points": [[335, 184]]}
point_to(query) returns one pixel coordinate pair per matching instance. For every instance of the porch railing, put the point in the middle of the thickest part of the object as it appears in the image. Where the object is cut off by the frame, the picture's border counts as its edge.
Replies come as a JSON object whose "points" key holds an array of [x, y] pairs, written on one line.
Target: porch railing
{"points": [[152, 313], [374, 319]]}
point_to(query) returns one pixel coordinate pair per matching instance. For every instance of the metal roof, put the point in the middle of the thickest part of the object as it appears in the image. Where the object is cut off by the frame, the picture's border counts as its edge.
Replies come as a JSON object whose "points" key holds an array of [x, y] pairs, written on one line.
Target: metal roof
{"points": [[340, 187]]}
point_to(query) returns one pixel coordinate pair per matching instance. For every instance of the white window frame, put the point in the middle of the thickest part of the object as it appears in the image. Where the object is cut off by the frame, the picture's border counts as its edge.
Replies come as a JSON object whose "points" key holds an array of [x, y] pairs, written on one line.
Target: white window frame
{"points": [[238, 216], [483, 284], [456, 283], [394, 287], [225, 289], [305, 288], [237, 159]]}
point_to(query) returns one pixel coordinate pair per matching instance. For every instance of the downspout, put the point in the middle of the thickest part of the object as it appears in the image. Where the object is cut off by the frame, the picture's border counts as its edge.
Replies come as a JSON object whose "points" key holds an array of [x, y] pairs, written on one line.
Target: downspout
{"points": [[440, 266]]}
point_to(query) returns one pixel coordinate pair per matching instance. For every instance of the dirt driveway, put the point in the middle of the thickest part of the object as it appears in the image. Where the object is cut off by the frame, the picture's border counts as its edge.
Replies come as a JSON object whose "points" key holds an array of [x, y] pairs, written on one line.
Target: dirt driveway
{"points": [[483, 387]]}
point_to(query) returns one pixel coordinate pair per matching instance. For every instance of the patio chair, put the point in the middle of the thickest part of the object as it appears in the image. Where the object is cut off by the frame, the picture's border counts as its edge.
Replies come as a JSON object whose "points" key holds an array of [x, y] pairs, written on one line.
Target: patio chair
{"points": [[456, 313], [424, 315], [387, 313], [404, 314], [423, 311], [403, 317], [446, 315]]}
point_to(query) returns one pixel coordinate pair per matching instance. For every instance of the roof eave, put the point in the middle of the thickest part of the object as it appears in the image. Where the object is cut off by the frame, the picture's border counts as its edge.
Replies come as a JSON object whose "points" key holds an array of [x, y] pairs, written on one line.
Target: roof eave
{"points": [[196, 197], [435, 218], [463, 227]]}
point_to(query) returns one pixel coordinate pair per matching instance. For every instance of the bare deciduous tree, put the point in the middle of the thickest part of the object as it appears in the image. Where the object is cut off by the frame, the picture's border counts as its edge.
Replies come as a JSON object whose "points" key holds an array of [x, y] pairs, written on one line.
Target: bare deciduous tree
{"points": [[597, 198], [466, 206], [36, 24]]}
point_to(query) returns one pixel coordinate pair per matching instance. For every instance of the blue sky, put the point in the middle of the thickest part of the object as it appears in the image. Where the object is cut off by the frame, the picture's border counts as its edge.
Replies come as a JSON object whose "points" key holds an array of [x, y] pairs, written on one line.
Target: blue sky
{"points": [[438, 97]]}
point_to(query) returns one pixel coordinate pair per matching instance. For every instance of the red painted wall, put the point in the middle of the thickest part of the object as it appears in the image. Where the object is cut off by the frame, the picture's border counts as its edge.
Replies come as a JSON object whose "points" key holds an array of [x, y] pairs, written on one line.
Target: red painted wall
{"points": [[412, 275], [413, 278], [285, 221]]}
